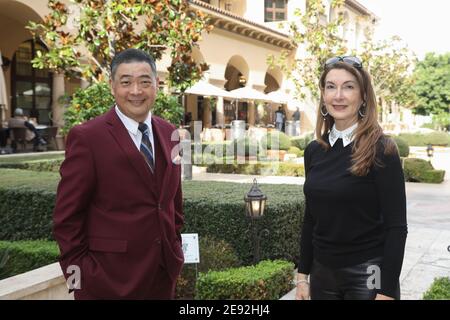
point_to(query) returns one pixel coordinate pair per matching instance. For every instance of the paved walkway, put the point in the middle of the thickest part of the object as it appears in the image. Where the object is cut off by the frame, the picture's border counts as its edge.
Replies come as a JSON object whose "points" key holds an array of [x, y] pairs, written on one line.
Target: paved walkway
{"points": [[428, 207]]}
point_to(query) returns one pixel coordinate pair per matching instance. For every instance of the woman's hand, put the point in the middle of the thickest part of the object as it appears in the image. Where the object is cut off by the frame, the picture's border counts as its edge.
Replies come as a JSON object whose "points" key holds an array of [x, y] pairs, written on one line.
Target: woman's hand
{"points": [[383, 297], [302, 292]]}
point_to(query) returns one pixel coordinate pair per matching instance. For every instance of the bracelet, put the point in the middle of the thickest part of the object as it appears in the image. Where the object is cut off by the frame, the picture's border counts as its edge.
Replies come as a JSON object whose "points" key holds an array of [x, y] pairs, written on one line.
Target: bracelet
{"points": [[301, 281]]}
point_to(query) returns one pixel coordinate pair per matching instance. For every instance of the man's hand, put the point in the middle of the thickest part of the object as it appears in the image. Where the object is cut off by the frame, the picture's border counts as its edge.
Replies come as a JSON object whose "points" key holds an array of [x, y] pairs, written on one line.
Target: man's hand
{"points": [[383, 297]]}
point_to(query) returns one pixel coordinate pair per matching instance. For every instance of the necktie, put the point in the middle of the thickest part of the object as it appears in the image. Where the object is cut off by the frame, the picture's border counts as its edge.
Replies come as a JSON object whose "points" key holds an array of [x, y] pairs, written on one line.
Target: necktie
{"points": [[146, 146]]}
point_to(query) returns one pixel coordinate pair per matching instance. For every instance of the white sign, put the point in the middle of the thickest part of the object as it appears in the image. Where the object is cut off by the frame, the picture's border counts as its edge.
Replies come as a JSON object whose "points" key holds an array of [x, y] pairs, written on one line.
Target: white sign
{"points": [[190, 247]]}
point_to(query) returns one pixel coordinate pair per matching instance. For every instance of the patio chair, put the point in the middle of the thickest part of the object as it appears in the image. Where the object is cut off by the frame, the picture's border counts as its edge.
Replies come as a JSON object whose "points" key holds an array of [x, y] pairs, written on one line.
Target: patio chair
{"points": [[49, 134], [18, 137]]}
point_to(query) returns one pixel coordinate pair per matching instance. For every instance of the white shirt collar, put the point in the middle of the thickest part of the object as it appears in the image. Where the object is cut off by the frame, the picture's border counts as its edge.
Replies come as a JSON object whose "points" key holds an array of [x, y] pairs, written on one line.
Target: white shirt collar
{"points": [[132, 125], [346, 135]]}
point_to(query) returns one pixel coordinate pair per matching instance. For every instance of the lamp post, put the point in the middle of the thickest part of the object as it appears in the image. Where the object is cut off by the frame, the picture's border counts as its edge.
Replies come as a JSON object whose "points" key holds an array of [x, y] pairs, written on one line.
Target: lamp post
{"points": [[430, 151], [255, 203]]}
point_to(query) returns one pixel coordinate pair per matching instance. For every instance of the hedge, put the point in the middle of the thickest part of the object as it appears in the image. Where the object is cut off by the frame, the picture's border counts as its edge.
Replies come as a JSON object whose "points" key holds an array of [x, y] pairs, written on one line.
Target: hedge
{"points": [[21, 256], [19, 158], [211, 147], [260, 168], [423, 139], [302, 142], [215, 255], [419, 170], [268, 280], [439, 290], [298, 152], [45, 162], [213, 209], [35, 165], [276, 140], [402, 145]]}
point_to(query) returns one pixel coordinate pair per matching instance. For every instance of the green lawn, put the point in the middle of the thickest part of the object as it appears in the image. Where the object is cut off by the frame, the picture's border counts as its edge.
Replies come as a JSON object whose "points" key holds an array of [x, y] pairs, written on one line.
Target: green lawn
{"points": [[46, 181]]}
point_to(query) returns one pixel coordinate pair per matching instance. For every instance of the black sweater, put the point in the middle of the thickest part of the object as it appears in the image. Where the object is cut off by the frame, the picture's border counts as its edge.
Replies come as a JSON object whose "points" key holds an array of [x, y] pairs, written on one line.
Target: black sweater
{"points": [[350, 219]]}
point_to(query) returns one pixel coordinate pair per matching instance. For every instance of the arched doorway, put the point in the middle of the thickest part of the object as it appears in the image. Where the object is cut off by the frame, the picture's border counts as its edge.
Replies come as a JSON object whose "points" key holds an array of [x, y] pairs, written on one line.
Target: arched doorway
{"points": [[31, 89], [273, 81], [236, 74]]}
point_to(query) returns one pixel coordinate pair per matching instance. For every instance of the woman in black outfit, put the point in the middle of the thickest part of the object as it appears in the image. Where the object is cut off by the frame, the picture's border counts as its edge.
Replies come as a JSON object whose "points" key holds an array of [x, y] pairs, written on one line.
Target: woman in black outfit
{"points": [[354, 228]]}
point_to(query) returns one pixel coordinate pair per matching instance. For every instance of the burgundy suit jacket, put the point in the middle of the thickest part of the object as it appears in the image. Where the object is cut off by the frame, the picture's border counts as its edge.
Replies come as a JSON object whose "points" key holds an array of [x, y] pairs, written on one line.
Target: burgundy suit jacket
{"points": [[113, 218]]}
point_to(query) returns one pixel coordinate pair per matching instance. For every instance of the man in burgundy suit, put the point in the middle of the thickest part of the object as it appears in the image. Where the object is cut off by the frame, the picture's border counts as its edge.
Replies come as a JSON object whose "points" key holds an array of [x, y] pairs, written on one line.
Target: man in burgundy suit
{"points": [[118, 210]]}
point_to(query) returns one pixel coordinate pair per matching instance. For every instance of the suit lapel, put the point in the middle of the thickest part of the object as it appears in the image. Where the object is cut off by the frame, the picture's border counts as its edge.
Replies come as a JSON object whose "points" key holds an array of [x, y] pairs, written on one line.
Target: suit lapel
{"points": [[165, 146], [122, 137]]}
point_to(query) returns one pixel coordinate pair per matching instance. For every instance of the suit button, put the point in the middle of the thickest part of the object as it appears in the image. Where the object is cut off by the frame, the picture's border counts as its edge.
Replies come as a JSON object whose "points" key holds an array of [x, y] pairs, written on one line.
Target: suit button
{"points": [[158, 241], [159, 206]]}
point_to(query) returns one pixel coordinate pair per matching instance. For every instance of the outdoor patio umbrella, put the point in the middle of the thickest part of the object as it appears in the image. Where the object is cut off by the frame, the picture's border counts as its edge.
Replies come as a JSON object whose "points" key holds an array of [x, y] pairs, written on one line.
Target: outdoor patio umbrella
{"points": [[39, 90], [204, 88], [277, 97], [3, 95], [247, 94]]}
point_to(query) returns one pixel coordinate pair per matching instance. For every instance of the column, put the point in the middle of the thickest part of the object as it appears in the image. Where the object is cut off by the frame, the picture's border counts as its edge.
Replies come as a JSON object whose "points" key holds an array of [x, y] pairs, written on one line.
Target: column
{"points": [[220, 112], [207, 116], [57, 108], [251, 113]]}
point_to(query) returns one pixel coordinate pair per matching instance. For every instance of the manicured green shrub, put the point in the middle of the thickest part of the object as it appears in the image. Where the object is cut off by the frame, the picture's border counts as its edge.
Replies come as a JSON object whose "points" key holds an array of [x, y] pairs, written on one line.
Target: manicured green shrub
{"points": [[21, 256], [423, 139], [419, 170], [214, 255], [27, 199], [214, 148], [439, 290], [296, 151], [276, 140], [264, 281], [260, 168], [243, 147], [402, 145], [213, 209], [35, 165], [217, 209], [26, 213], [302, 142], [27, 157]]}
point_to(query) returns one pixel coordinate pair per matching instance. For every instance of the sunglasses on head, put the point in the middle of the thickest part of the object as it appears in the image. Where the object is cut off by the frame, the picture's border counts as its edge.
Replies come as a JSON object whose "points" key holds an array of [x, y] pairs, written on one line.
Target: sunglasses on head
{"points": [[353, 61]]}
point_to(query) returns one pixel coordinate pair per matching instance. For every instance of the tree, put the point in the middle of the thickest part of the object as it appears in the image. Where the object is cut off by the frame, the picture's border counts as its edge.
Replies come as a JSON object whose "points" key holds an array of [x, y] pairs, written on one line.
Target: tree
{"points": [[97, 99], [432, 85], [84, 47], [387, 62], [318, 39]]}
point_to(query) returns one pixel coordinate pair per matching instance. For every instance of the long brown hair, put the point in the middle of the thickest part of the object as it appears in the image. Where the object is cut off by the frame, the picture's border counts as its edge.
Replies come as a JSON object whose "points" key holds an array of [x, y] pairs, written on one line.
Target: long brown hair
{"points": [[368, 134]]}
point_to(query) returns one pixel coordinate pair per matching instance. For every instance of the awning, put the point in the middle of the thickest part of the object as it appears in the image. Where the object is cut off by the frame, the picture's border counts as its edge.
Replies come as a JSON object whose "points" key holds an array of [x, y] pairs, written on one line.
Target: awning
{"points": [[203, 88]]}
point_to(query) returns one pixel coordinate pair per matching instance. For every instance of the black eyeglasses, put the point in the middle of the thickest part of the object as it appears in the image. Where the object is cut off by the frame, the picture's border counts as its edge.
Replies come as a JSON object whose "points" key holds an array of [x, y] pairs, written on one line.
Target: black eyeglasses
{"points": [[354, 61]]}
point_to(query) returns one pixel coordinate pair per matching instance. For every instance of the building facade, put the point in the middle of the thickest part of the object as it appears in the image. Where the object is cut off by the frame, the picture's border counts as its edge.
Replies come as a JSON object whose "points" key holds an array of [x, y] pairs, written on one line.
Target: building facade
{"points": [[246, 32]]}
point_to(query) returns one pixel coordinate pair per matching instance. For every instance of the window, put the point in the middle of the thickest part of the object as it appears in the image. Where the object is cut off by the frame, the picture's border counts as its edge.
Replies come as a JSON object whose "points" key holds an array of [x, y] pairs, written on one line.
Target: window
{"points": [[275, 10], [31, 88]]}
